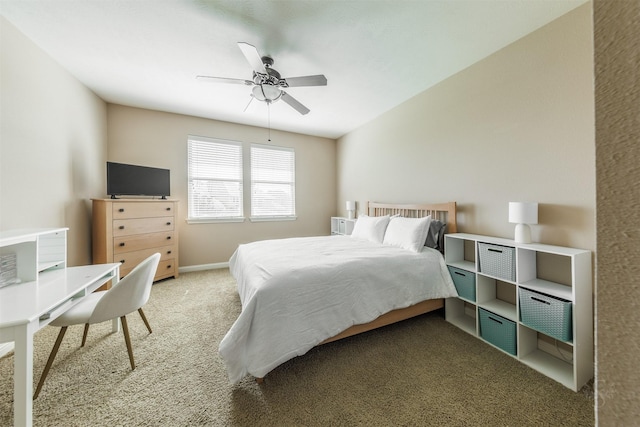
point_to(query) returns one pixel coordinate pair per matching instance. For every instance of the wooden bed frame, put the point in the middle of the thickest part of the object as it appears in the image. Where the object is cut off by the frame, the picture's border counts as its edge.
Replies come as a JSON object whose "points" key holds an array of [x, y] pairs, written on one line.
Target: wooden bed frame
{"points": [[445, 212]]}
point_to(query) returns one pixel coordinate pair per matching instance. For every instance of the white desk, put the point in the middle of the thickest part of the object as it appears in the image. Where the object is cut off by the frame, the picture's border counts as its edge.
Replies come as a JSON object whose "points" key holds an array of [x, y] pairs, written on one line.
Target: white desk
{"points": [[27, 307]]}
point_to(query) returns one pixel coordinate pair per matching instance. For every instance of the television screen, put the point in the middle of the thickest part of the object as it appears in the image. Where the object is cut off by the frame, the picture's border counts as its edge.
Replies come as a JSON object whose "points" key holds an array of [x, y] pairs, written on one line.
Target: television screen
{"points": [[134, 180]]}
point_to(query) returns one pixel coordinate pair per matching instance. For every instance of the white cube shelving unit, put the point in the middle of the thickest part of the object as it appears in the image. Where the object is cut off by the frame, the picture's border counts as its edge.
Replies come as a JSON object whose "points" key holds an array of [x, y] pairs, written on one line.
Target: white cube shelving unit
{"points": [[558, 272]]}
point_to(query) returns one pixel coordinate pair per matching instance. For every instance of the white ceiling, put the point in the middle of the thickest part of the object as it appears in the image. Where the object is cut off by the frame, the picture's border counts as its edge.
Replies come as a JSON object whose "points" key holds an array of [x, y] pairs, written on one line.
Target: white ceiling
{"points": [[375, 54]]}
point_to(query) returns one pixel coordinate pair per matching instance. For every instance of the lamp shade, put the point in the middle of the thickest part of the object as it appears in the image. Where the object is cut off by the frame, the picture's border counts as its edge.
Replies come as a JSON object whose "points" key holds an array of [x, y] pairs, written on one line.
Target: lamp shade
{"points": [[523, 212], [351, 205]]}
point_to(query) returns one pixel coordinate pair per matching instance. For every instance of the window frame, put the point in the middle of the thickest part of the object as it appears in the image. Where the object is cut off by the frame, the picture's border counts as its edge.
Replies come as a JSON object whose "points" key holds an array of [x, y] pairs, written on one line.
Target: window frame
{"points": [[246, 183], [292, 183], [241, 181]]}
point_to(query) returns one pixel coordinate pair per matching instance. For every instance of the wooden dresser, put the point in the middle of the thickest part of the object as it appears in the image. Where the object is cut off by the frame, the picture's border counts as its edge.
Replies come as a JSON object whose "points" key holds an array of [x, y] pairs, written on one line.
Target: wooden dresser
{"points": [[130, 230]]}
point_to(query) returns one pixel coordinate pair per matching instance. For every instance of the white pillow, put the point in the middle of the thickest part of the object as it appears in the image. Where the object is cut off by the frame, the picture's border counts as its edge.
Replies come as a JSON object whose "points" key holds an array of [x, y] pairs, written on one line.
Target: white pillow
{"points": [[370, 228], [407, 233]]}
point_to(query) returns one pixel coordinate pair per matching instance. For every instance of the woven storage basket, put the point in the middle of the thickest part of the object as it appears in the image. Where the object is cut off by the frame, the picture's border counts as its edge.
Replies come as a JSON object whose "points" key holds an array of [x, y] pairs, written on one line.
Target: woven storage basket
{"points": [[498, 331], [549, 315], [465, 283], [498, 261]]}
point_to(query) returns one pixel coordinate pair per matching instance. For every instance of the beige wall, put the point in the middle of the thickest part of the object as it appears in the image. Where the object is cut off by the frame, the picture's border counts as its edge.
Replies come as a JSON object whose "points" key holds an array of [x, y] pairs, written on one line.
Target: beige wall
{"points": [[159, 139], [52, 143], [518, 125], [617, 65]]}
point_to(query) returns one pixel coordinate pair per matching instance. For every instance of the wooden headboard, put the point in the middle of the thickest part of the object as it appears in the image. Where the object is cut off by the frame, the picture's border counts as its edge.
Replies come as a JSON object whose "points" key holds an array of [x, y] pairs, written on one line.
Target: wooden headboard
{"points": [[445, 212]]}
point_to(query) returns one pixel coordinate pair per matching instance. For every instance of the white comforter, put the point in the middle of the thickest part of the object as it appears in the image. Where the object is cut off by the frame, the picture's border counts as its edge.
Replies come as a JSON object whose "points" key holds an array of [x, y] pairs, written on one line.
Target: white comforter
{"points": [[298, 292]]}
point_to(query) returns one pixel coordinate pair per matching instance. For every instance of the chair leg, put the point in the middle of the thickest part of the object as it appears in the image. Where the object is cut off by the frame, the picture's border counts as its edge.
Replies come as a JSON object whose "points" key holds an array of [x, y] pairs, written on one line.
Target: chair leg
{"points": [[52, 356], [84, 335], [127, 340], [144, 319]]}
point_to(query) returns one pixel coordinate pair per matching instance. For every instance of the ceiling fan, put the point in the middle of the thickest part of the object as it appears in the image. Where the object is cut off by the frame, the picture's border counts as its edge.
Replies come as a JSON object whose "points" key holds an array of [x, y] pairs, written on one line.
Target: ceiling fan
{"points": [[267, 83]]}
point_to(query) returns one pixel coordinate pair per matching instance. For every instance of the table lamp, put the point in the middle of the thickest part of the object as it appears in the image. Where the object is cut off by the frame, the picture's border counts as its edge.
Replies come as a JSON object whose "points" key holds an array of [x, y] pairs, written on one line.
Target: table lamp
{"points": [[351, 208], [523, 214]]}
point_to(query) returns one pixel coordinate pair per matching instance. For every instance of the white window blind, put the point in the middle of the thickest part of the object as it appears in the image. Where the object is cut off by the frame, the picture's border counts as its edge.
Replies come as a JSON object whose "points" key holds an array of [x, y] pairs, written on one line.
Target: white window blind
{"points": [[273, 185], [214, 179]]}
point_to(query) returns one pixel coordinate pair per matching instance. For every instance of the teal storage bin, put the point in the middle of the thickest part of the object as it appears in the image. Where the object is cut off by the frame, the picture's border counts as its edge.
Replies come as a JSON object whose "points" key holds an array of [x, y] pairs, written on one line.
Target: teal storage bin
{"points": [[465, 283], [498, 331], [546, 314]]}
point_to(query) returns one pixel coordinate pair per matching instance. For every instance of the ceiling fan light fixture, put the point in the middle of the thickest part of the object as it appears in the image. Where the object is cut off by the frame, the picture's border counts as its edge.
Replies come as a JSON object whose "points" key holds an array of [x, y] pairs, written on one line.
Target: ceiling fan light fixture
{"points": [[266, 93], [267, 83]]}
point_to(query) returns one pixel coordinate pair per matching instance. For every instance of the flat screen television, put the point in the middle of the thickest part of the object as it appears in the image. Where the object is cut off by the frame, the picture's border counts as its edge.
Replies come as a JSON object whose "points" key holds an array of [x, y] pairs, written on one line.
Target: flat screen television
{"points": [[135, 180]]}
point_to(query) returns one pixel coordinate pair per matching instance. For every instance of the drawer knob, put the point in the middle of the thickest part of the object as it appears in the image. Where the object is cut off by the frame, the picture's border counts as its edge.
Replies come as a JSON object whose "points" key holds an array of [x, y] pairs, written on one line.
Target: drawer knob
{"points": [[168, 223], [168, 252], [168, 237], [121, 210], [169, 266], [168, 209], [122, 261], [121, 244], [121, 227]]}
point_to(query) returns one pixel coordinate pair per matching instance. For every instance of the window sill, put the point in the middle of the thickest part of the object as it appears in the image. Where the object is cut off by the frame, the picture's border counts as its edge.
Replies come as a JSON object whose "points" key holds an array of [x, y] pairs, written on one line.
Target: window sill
{"points": [[272, 218], [214, 220]]}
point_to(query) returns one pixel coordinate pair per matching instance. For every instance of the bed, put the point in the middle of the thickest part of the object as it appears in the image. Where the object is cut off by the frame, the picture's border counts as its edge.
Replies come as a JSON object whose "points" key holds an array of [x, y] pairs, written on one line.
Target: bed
{"points": [[298, 293]]}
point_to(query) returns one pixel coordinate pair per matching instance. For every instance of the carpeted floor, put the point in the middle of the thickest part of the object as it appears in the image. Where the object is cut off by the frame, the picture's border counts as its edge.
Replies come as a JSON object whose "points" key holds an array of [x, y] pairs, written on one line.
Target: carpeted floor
{"points": [[419, 372]]}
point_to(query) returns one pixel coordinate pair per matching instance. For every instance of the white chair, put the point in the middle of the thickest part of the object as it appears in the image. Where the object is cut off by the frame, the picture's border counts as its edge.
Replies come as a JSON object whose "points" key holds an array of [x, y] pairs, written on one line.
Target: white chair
{"points": [[126, 296]]}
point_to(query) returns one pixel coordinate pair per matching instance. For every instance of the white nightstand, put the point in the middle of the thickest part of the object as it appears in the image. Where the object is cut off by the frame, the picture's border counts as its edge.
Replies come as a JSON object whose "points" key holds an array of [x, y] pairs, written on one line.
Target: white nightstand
{"points": [[341, 225]]}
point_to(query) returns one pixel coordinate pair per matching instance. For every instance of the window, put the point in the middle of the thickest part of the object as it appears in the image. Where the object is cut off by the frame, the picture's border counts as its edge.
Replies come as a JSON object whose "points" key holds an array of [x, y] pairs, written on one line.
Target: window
{"points": [[273, 186], [214, 179]]}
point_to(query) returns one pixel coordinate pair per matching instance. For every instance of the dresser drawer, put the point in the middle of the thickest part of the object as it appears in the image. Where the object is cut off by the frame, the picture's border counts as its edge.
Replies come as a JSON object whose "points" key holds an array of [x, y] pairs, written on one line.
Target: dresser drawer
{"points": [[137, 242], [165, 269], [126, 210], [126, 227], [131, 259]]}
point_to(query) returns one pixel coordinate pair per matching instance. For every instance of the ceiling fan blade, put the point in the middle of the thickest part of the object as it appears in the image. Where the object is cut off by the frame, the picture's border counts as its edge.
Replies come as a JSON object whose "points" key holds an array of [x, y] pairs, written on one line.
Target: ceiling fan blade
{"points": [[211, 79], [317, 80], [294, 103], [253, 57]]}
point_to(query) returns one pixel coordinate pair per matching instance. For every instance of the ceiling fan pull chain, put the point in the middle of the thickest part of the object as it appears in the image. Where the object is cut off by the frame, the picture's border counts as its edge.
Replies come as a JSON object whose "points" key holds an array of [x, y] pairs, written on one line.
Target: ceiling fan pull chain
{"points": [[269, 119]]}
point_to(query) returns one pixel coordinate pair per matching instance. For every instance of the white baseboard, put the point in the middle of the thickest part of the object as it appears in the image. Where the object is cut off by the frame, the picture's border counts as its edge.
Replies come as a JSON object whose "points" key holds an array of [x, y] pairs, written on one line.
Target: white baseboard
{"points": [[203, 267], [5, 348]]}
